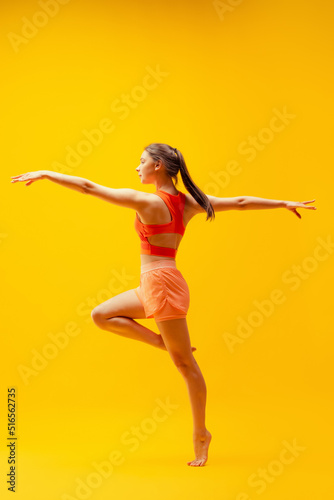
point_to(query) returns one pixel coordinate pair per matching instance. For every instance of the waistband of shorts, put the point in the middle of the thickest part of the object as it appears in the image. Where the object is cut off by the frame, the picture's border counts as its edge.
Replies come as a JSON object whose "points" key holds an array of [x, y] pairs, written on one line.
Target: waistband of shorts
{"points": [[157, 264]]}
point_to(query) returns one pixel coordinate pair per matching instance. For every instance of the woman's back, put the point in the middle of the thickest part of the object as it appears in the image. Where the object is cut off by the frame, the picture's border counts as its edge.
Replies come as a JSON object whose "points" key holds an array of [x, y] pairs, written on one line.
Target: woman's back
{"points": [[161, 224]]}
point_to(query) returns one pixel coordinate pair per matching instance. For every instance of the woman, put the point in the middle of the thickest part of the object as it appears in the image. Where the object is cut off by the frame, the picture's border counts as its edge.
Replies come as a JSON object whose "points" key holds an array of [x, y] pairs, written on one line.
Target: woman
{"points": [[160, 220]]}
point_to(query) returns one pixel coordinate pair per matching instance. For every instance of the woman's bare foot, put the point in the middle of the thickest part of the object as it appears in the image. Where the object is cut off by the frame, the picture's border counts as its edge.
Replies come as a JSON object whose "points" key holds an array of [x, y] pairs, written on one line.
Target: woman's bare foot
{"points": [[201, 446]]}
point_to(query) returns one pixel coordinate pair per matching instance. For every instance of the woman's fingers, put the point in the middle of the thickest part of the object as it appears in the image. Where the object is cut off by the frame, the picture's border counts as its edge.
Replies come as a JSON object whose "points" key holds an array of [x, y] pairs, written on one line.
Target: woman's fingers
{"points": [[301, 204], [27, 176], [17, 177], [310, 201], [293, 205], [312, 208], [22, 178]]}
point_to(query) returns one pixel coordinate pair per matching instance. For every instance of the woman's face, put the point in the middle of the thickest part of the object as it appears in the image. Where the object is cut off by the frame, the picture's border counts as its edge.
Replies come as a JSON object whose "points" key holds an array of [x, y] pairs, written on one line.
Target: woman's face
{"points": [[146, 169]]}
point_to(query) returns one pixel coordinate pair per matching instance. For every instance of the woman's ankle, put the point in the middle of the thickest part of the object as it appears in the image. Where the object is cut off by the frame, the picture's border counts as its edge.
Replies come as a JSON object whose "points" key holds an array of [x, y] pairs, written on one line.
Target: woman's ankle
{"points": [[200, 434]]}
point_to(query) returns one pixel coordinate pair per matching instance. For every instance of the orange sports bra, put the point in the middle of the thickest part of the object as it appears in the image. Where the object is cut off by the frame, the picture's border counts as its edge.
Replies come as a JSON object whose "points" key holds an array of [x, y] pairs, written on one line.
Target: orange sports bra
{"points": [[175, 204]]}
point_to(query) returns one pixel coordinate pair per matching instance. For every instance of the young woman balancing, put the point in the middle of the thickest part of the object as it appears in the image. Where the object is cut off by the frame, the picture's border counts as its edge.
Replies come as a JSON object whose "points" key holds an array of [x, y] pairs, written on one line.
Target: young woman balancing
{"points": [[160, 221]]}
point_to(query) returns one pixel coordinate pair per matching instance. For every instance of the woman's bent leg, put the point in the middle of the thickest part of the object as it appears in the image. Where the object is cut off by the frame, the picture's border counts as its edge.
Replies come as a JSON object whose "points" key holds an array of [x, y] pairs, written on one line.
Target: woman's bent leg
{"points": [[116, 315]]}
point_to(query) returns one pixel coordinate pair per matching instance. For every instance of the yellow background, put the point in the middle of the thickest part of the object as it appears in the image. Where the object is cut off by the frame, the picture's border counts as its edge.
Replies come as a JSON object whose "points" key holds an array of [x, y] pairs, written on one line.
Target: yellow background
{"points": [[61, 252]]}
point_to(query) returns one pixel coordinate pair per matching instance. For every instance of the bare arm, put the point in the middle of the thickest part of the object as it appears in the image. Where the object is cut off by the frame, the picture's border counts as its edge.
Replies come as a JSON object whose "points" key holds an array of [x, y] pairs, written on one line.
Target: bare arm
{"points": [[220, 204], [244, 203], [249, 203], [70, 181], [254, 203], [123, 197]]}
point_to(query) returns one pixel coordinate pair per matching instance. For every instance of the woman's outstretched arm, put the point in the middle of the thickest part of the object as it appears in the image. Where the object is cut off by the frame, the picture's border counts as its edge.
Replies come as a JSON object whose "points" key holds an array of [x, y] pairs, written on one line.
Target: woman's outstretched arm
{"points": [[70, 181], [254, 203], [124, 197]]}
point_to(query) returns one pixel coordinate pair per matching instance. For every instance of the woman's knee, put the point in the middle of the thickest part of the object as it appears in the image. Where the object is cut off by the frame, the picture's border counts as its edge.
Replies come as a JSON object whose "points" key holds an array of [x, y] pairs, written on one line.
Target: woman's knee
{"points": [[99, 316], [96, 315], [184, 363], [114, 322]]}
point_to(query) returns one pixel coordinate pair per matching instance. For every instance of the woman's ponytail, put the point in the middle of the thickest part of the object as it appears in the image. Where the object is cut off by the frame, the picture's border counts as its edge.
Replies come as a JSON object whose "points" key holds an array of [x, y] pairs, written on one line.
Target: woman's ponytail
{"points": [[194, 190]]}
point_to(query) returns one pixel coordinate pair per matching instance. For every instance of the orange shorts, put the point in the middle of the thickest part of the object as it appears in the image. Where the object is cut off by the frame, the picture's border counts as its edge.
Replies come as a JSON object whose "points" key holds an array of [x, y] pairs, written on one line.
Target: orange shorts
{"points": [[163, 291]]}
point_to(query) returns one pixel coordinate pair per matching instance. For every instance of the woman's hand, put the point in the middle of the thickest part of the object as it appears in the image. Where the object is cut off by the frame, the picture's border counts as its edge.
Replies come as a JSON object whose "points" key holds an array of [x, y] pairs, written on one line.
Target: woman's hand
{"points": [[292, 205], [30, 177]]}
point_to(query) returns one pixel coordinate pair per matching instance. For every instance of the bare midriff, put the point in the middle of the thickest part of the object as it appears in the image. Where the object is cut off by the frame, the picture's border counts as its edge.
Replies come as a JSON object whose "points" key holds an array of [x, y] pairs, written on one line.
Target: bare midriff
{"points": [[145, 259]]}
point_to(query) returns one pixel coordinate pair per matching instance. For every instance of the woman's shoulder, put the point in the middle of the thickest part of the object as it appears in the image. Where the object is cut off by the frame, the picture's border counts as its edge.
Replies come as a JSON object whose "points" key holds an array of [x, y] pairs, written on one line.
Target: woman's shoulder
{"points": [[190, 204]]}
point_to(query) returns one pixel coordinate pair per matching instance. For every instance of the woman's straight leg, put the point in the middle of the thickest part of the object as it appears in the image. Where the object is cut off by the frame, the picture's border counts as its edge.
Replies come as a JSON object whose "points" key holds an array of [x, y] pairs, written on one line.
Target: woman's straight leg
{"points": [[176, 339]]}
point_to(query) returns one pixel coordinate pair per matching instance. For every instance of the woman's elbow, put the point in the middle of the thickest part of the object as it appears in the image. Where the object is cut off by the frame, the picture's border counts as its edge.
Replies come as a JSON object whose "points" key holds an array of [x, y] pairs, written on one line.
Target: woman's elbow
{"points": [[87, 187], [241, 202]]}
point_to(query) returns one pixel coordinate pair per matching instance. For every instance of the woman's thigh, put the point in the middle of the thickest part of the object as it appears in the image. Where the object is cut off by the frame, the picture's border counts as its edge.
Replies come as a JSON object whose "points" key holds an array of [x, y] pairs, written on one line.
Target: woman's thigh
{"points": [[124, 304]]}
